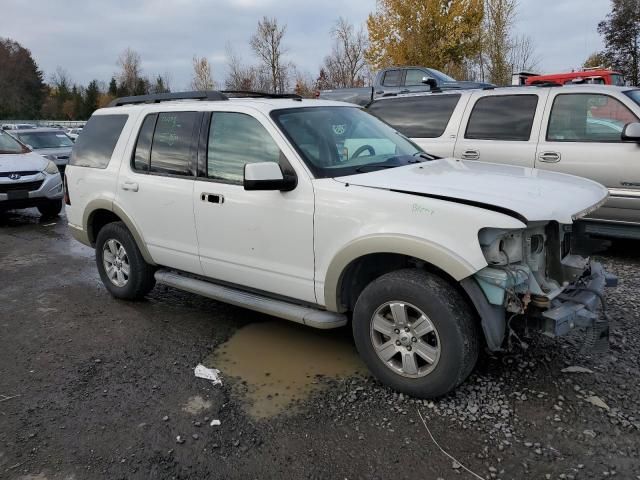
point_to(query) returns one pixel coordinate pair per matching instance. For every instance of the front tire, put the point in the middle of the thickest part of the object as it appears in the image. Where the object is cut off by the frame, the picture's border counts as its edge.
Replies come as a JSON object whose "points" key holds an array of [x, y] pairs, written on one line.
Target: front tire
{"points": [[50, 209], [416, 333], [121, 265]]}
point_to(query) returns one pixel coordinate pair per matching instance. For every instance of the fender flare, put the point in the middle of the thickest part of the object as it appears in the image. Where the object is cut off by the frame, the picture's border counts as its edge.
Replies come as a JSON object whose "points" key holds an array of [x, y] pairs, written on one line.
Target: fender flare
{"points": [[432, 253], [103, 204]]}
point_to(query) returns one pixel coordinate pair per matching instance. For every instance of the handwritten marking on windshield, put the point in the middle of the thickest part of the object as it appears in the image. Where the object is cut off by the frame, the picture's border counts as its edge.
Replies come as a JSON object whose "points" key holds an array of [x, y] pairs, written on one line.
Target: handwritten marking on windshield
{"points": [[415, 208]]}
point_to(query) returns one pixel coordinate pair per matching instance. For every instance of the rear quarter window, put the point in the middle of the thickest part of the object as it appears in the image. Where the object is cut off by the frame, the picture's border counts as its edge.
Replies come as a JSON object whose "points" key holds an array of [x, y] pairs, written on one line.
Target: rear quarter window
{"points": [[417, 117], [502, 117], [95, 146]]}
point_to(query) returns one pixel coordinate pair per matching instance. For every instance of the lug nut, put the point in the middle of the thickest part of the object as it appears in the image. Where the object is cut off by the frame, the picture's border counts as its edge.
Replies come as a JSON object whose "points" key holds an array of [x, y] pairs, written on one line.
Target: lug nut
{"points": [[414, 339], [397, 330], [398, 343], [406, 329], [409, 348]]}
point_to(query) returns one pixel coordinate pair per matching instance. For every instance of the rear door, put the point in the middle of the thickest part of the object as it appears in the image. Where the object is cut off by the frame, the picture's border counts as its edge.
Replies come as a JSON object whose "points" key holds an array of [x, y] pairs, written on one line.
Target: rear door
{"points": [[155, 187], [432, 121], [390, 82], [502, 127], [582, 136]]}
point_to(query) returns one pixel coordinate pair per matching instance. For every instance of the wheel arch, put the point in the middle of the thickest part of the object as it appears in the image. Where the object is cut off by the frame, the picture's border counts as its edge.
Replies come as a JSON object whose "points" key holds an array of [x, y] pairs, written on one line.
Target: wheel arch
{"points": [[99, 213], [381, 254]]}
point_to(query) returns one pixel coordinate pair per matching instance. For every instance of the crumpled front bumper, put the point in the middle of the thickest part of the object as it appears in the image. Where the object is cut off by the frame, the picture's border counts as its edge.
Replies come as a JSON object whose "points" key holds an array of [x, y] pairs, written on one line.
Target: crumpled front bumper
{"points": [[578, 306]]}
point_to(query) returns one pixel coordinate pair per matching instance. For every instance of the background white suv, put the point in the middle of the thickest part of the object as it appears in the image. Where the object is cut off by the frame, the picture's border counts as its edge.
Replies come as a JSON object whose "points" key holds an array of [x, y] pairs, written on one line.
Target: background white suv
{"points": [[319, 213], [587, 130]]}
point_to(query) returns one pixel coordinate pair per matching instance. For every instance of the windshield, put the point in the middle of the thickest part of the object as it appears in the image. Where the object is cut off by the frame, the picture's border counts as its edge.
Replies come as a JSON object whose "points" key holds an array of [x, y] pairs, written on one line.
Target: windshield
{"points": [[8, 144], [634, 95], [337, 141], [39, 140], [617, 80], [442, 77]]}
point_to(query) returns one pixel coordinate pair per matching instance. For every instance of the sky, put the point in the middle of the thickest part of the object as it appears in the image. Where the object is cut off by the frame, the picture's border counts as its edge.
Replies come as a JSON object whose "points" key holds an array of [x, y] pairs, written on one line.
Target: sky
{"points": [[85, 37]]}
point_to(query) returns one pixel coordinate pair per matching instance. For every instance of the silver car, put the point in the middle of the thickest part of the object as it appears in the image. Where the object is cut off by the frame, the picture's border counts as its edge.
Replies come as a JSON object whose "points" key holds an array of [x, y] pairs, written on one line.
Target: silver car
{"points": [[28, 179], [52, 143]]}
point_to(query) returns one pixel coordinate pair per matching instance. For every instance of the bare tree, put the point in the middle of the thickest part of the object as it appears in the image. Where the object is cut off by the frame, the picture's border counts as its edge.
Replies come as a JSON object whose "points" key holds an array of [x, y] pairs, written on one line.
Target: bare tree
{"points": [[130, 72], [266, 44], [245, 77], [499, 18], [346, 65], [202, 77], [523, 57]]}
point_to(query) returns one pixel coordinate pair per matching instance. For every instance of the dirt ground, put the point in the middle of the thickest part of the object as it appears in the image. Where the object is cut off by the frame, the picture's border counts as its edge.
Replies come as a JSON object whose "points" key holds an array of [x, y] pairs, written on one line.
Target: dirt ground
{"points": [[95, 388]]}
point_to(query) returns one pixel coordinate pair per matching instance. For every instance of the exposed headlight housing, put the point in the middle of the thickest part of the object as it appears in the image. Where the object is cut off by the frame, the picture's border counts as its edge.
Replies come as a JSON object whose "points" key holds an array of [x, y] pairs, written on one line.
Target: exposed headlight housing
{"points": [[501, 247], [52, 168]]}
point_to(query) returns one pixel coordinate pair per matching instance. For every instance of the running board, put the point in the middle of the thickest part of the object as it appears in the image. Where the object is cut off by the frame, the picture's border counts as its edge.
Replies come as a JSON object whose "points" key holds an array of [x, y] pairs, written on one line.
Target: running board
{"points": [[311, 317]]}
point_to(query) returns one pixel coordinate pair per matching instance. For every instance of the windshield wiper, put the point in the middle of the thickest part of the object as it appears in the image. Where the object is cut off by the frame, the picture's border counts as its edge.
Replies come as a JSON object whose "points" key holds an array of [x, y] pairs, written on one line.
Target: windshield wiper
{"points": [[425, 155]]}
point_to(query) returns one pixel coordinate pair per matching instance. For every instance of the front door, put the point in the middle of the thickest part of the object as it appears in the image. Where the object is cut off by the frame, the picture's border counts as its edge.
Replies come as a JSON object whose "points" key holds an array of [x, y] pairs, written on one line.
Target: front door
{"points": [[582, 136], [262, 240]]}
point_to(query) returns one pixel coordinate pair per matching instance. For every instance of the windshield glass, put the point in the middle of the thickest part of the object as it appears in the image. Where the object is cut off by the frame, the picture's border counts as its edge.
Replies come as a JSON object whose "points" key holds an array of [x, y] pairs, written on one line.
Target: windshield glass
{"points": [[337, 141], [634, 95], [8, 144], [442, 77], [617, 80], [39, 140]]}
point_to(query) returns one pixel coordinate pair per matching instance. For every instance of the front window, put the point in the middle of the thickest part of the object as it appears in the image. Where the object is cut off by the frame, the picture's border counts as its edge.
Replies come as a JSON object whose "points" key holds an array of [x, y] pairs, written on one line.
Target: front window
{"points": [[9, 145], [38, 140], [337, 141], [633, 95]]}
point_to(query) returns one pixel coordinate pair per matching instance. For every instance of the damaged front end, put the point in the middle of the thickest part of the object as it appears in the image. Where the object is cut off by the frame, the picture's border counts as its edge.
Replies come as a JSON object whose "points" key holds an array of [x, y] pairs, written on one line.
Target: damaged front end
{"points": [[533, 280]]}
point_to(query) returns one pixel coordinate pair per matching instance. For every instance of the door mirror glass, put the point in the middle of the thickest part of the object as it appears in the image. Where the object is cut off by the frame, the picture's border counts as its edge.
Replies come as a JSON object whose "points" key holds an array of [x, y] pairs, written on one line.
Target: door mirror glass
{"points": [[266, 176], [631, 132]]}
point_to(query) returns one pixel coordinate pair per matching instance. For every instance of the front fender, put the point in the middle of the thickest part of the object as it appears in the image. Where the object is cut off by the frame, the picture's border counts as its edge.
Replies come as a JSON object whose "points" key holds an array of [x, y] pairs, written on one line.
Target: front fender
{"points": [[429, 252]]}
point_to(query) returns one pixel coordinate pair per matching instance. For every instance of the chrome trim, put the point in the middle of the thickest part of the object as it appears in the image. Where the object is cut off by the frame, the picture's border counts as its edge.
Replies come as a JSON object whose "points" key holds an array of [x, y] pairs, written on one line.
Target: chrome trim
{"points": [[624, 192]]}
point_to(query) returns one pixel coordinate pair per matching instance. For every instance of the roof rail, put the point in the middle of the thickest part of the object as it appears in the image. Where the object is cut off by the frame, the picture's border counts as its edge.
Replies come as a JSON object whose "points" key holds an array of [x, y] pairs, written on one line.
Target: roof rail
{"points": [[211, 95], [255, 94]]}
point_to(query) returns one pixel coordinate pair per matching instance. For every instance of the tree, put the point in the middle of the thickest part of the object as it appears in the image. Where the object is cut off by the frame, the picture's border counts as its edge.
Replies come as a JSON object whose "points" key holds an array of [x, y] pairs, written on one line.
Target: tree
{"points": [[499, 17], [130, 73], [162, 84], [595, 60], [202, 78], [22, 90], [434, 33], [113, 87], [91, 99], [243, 77], [266, 44], [523, 56], [346, 66], [621, 33]]}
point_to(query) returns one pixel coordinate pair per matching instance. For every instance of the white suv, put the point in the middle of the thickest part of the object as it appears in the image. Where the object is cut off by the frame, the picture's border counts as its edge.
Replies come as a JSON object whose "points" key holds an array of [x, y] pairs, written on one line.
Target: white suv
{"points": [[319, 213], [588, 130]]}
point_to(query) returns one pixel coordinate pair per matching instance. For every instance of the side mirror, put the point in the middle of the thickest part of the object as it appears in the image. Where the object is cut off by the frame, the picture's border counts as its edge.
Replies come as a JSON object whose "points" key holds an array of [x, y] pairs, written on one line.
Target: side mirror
{"points": [[631, 132], [267, 176], [431, 82]]}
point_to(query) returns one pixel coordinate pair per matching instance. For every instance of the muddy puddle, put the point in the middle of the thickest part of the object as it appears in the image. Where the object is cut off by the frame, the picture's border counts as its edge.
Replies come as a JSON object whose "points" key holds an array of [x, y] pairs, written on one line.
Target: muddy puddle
{"points": [[279, 362]]}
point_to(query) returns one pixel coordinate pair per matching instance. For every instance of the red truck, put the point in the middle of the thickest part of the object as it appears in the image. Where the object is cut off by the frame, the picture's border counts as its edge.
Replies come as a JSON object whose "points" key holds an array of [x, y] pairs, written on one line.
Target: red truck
{"points": [[601, 76]]}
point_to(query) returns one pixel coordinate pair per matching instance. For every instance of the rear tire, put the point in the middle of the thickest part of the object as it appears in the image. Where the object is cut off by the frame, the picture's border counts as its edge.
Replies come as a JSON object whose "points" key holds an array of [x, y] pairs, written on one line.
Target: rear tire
{"points": [[416, 333], [51, 208], [121, 265]]}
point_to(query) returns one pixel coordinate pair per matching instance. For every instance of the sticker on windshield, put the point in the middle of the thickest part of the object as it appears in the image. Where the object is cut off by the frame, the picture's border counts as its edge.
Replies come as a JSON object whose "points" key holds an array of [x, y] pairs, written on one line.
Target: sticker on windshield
{"points": [[339, 129]]}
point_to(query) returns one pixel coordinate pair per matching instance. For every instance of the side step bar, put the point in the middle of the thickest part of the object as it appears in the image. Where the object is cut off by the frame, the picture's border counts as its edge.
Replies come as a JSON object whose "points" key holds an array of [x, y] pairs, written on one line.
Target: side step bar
{"points": [[311, 317]]}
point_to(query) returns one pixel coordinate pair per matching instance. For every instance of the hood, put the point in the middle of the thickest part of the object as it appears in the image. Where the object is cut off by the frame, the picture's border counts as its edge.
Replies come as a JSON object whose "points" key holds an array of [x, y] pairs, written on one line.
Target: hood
{"points": [[527, 194], [22, 162], [63, 151]]}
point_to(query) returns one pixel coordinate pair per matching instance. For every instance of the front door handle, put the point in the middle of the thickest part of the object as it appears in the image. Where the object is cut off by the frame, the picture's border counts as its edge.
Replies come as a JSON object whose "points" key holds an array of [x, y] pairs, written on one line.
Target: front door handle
{"points": [[130, 186], [471, 155], [549, 157], [212, 198]]}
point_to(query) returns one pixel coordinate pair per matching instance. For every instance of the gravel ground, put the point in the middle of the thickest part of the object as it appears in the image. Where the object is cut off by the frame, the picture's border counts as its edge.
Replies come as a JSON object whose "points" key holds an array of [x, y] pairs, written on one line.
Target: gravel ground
{"points": [[94, 388]]}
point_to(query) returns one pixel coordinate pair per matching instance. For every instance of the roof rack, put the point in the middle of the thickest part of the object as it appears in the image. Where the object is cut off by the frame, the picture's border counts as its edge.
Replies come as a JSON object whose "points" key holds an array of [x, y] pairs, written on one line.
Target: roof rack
{"points": [[255, 94], [210, 95]]}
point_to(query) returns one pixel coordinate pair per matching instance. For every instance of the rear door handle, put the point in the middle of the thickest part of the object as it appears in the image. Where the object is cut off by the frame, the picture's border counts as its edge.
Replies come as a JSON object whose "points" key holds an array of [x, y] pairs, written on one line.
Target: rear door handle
{"points": [[549, 157], [212, 198], [131, 186], [404, 91], [471, 155]]}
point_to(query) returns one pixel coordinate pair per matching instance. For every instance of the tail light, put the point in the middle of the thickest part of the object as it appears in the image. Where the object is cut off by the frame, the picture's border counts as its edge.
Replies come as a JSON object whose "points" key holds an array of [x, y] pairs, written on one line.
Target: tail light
{"points": [[67, 200]]}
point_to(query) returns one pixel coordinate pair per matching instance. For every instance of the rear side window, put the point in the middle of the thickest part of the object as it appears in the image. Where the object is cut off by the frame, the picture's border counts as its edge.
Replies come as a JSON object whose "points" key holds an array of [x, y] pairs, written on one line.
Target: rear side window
{"points": [[95, 146], [417, 117], [172, 145], [503, 117], [142, 153], [392, 78]]}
